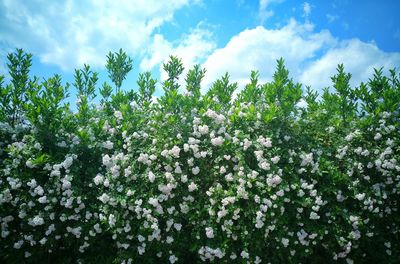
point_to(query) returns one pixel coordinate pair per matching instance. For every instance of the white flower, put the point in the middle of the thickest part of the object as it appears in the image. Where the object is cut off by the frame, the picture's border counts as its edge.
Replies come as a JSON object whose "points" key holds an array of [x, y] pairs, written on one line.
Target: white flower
{"points": [[104, 198], [195, 170], [107, 161], [264, 165], [178, 169], [115, 171], [169, 239], [29, 164], [339, 197], [166, 189], [112, 220], [244, 254], [75, 231], [141, 238], [37, 146], [98, 179], [275, 159], [42, 199], [246, 144], [106, 183], [378, 136], [219, 119], [266, 142], [153, 201], [314, 216], [203, 129], [133, 105], [174, 151], [178, 227], [186, 147], [218, 141], [39, 190], [355, 234], [164, 153], [307, 158], [75, 140], [141, 250], [330, 129], [259, 154], [274, 180], [193, 141], [229, 177], [151, 177], [192, 187], [43, 241], [18, 245], [285, 242], [67, 162], [118, 115], [55, 173], [209, 232], [184, 178], [36, 221], [173, 259], [108, 145], [360, 196], [32, 183], [349, 137], [66, 184]]}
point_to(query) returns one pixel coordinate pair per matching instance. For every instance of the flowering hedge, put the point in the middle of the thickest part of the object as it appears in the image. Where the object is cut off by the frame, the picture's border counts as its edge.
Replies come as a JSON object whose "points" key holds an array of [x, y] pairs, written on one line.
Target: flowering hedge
{"points": [[275, 174]]}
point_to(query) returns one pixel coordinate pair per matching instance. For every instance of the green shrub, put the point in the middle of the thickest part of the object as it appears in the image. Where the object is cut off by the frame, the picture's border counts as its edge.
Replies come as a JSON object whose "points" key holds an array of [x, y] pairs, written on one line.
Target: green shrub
{"points": [[273, 173]]}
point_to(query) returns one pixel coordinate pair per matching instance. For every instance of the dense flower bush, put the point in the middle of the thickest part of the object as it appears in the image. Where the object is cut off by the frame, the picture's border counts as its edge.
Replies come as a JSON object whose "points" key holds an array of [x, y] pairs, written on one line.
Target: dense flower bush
{"points": [[274, 173]]}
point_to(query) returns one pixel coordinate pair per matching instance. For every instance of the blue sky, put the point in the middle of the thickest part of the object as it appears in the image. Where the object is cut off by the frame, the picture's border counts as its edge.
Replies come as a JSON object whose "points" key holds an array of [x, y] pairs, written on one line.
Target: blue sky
{"points": [[233, 36]]}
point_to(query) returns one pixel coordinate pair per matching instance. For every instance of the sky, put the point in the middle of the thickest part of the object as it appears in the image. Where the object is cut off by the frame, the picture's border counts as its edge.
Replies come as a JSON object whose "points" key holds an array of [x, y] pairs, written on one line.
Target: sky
{"points": [[235, 36]]}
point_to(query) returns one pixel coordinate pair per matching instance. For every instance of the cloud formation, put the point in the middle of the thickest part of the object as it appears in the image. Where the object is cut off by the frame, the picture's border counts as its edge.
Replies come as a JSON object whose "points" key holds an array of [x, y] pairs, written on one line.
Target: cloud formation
{"points": [[310, 56], [359, 58], [264, 10], [306, 9], [259, 48], [71, 33], [68, 34]]}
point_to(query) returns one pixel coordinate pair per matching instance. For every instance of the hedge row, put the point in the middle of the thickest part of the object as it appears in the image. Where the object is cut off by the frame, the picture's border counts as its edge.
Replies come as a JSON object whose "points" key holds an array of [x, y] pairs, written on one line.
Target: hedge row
{"points": [[273, 173]]}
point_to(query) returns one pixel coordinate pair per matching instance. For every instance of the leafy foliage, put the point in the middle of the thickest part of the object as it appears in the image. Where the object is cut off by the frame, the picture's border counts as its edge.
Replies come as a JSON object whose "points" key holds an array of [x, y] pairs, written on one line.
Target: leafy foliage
{"points": [[271, 173], [118, 66]]}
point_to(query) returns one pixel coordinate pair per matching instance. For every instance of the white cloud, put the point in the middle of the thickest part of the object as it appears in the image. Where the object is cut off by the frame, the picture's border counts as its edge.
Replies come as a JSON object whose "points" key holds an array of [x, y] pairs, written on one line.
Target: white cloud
{"points": [[310, 56], [359, 58], [192, 48], [331, 18], [263, 9], [258, 49], [71, 33], [306, 9]]}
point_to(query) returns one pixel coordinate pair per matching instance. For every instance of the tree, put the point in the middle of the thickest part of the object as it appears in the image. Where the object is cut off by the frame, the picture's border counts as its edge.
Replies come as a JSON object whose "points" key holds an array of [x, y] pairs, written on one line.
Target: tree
{"points": [[174, 68], [118, 66], [13, 96]]}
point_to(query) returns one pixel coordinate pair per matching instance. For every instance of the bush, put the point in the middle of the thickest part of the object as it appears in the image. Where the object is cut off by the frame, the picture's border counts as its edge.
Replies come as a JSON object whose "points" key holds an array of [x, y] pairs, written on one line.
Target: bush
{"points": [[273, 173]]}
